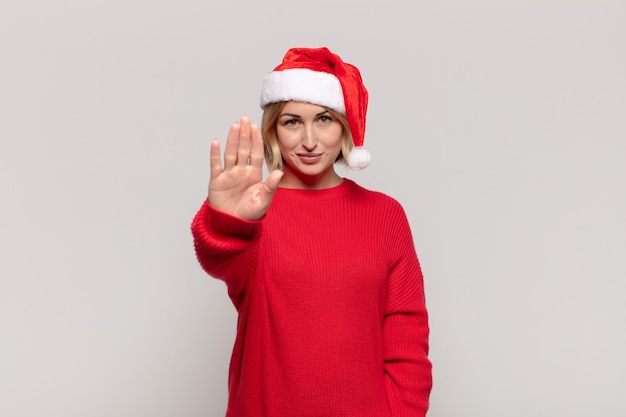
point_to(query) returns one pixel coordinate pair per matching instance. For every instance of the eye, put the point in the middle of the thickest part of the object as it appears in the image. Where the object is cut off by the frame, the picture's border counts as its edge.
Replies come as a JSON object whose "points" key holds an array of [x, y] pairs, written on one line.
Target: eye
{"points": [[325, 118], [289, 122]]}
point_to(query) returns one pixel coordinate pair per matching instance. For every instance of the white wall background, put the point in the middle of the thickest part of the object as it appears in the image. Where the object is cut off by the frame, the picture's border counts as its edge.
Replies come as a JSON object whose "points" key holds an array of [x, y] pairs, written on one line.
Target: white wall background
{"points": [[499, 125]]}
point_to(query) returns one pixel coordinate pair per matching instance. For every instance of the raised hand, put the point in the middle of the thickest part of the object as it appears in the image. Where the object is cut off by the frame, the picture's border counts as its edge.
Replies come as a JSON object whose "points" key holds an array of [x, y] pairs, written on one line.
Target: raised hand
{"points": [[237, 186]]}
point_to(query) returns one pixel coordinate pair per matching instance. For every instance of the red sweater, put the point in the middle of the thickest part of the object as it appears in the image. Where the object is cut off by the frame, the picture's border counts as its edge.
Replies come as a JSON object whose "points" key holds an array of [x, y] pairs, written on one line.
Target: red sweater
{"points": [[330, 297]]}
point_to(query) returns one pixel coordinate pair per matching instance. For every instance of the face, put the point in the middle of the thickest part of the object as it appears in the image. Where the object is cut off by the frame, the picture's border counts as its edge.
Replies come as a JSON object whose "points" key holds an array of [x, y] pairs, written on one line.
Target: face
{"points": [[310, 140]]}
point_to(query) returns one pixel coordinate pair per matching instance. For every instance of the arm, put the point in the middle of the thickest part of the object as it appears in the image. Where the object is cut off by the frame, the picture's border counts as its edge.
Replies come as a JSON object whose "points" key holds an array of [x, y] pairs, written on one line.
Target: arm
{"points": [[228, 223], [408, 375], [225, 246]]}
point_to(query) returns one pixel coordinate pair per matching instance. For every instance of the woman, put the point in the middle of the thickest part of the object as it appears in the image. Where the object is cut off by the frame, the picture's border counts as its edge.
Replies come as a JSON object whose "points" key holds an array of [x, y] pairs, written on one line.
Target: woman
{"points": [[323, 273]]}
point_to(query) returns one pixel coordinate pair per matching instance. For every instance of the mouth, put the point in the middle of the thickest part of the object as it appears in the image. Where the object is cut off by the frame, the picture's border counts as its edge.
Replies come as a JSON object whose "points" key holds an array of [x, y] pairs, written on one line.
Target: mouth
{"points": [[309, 158]]}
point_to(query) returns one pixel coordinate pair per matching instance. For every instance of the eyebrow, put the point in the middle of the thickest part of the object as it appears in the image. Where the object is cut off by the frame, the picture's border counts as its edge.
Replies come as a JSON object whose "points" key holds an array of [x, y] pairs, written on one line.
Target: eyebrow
{"points": [[297, 115]]}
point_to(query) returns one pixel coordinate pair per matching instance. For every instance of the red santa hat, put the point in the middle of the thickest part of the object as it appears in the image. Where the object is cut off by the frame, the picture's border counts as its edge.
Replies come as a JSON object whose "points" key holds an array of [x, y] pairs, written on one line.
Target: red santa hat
{"points": [[318, 76]]}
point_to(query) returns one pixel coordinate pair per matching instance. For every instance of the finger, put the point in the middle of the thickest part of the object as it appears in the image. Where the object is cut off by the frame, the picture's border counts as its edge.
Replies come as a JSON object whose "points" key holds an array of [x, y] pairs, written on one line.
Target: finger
{"points": [[243, 151], [273, 180], [256, 154], [232, 143], [216, 159]]}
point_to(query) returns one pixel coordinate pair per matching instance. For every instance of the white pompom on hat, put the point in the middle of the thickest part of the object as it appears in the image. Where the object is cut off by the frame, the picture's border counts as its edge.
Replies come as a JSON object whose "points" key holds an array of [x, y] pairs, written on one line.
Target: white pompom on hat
{"points": [[317, 76]]}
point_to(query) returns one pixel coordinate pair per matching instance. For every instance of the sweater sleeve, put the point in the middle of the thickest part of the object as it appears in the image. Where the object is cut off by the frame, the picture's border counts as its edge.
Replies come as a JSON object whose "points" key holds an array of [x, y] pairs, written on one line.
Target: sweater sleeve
{"points": [[225, 246], [408, 371]]}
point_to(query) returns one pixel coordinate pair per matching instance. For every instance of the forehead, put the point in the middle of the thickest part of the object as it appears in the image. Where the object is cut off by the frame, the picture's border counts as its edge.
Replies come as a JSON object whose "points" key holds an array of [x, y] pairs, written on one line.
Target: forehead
{"points": [[302, 108]]}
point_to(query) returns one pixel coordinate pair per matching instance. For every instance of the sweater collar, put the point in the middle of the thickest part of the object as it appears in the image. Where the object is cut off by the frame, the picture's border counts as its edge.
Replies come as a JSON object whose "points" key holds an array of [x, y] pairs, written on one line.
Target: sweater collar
{"points": [[337, 191]]}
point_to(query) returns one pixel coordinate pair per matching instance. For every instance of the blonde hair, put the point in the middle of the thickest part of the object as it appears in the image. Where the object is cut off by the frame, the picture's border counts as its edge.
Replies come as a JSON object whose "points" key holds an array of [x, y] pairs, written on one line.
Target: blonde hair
{"points": [[273, 158]]}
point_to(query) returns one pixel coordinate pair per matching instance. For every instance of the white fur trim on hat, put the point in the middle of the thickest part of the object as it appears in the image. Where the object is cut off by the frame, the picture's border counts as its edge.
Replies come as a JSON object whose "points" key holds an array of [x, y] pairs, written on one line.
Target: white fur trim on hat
{"points": [[358, 158], [301, 84]]}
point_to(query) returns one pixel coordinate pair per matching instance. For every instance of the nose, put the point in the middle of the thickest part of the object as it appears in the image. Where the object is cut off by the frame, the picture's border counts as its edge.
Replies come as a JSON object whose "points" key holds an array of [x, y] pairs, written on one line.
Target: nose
{"points": [[309, 138]]}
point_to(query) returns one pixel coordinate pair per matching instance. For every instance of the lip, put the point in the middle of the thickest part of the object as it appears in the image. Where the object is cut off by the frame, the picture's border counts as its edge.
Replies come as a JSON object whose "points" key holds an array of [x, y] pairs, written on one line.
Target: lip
{"points": [[309, 158]]}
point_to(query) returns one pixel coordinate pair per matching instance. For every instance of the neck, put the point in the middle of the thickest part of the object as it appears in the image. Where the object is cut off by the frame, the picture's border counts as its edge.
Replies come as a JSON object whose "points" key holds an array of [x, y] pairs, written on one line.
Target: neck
{"points": [[302, 181]]}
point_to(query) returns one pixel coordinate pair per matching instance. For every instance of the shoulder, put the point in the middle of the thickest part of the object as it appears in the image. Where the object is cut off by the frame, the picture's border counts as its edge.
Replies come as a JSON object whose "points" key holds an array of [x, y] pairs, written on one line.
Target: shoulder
{"points": [[374, 199], [383, 216], [374, 196]]}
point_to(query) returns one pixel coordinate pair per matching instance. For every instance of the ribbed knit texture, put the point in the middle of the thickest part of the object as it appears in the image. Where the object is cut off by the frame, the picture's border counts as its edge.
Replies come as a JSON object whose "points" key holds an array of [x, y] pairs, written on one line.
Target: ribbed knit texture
{"points": [[330, 297]]}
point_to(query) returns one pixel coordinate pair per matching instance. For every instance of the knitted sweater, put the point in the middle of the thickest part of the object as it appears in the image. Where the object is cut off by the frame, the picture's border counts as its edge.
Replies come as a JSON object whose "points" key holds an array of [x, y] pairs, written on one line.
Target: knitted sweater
{"points": [[329, 293]]}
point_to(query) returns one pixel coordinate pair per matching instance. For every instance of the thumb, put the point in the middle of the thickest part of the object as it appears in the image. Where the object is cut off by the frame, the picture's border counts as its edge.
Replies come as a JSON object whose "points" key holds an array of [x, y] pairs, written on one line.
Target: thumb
{"points": [[273, 179]]}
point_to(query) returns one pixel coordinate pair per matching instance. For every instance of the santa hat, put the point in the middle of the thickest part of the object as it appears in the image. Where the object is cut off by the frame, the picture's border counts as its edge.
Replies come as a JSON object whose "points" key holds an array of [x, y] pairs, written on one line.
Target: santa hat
{"points": [[317, 76]]}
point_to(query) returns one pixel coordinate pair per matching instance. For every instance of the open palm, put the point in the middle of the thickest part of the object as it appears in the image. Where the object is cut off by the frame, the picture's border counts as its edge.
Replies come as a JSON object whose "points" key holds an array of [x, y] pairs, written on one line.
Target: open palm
{"points": [[236, 187]]}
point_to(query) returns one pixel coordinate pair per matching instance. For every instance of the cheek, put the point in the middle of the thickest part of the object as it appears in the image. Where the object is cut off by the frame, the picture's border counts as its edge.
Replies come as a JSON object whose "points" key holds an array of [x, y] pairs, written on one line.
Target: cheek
{"points": [[335, 138], [282, 138]]}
